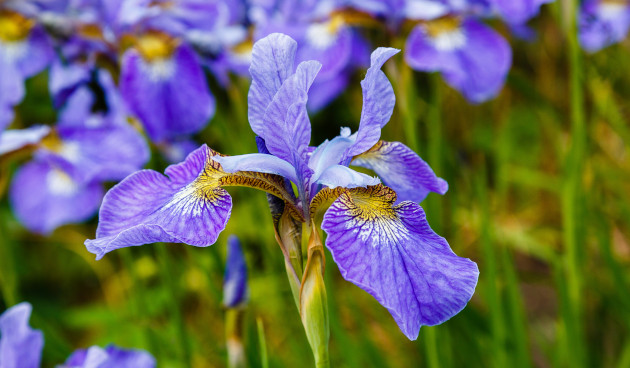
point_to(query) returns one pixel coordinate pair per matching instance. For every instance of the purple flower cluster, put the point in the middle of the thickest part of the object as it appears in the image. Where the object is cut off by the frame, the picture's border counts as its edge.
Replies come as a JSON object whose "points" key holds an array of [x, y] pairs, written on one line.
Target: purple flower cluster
{"points": [[378, 234], [21, 347]]}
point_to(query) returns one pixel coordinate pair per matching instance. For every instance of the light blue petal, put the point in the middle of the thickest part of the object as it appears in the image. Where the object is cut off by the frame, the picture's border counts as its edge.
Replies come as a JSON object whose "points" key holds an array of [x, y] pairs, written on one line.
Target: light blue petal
{"points": [[342, 176], [258, 162]]}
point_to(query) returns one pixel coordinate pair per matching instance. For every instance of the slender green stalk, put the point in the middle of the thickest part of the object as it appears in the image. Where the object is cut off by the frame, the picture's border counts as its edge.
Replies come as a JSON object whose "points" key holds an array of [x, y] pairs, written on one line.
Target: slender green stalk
{"points": [[491, 278], [234, 320], [408, 105], [572, 192], [8, 274], [263, 343], [170, 279], [431, 347]]}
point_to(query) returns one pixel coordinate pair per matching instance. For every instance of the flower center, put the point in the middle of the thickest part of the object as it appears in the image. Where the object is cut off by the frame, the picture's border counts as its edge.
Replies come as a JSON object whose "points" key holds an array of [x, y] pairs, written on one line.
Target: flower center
{"points": [[60, 183], [14, 27], [446, 33], [323, 35], [156, 46]]}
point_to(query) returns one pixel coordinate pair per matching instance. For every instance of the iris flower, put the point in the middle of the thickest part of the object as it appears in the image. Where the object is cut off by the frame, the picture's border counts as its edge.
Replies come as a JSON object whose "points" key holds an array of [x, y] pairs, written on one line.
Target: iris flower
{"points": [[21, 346], [377, 232], [235, 292], [603, 23]]}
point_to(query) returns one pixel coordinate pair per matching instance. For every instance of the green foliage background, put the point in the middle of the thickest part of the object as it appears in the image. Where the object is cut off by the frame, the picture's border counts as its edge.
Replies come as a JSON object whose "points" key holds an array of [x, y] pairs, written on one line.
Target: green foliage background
{"points": [[538, 198]]}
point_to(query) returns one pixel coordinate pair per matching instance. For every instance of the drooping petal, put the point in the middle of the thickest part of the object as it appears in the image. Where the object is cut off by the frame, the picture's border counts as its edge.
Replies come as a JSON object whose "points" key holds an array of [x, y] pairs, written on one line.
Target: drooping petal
{"points": [[20, 345], [11, 90], [235, 279], [44, 197], [272, 63], [392, 253], [37, 53], [603, 23], [518, 11], [378, 102], [170, 96], [15, 139], [287, 128], [259, 162], [188, 207], [111, 356], [403, 170]]}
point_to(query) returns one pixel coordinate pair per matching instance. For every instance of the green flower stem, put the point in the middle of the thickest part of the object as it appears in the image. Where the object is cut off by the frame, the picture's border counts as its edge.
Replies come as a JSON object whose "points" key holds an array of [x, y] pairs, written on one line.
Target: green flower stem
{"points": [[264, 360], [234, 321], [573, 192], [8, 274], [170, 278]]}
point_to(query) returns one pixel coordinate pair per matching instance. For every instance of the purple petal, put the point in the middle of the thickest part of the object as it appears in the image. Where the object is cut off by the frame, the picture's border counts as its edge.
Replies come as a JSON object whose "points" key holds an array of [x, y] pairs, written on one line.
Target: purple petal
{"points": [[287, 128], [235, 279], [37, 55], [15, 139], [403, 170], [147, 207], [11, 90], [333, 51], [518, 11], [169, 96], [322, 91], [378, 102], [258, 162], [272, 63], [392, 253], [44, 197], [602, 24], [20, 345], [111, 356]]}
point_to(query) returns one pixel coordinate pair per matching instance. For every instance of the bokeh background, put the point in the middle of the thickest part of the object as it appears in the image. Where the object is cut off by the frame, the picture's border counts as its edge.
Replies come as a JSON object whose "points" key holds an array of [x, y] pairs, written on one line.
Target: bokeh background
{"points": [[538, 197]]}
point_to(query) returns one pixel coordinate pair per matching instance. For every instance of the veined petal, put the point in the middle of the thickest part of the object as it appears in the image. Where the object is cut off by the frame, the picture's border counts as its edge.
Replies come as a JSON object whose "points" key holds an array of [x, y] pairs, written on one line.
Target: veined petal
{"points": [[20, 345], [378, 102], [343, 176], [392, 253], [287, 128], [189, 206], [403, 170], [272, 63], [258, 162], [44, 197]]}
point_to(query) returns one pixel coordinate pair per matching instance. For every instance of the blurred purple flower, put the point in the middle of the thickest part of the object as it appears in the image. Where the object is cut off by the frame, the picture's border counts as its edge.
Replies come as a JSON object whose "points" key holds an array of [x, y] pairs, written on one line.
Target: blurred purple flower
{"points": [[403, 263], [235, 291], [473, 58], [21, 347], [603, 23]]}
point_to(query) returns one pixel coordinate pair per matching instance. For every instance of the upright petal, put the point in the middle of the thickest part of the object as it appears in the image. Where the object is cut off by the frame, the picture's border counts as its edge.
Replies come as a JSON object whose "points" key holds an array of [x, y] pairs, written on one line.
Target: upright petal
{"points": [[170, 96], [392, 253], [287, 128], [378, 102], [20, 345], [44, 197], [272, 63], [403, 170], [188, 207], [235, 279]]}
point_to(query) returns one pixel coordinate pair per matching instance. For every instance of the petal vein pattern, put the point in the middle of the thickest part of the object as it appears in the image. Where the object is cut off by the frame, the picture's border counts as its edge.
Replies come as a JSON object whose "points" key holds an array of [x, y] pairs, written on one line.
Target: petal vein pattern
{"points": [[392, 253], [189, 206]]}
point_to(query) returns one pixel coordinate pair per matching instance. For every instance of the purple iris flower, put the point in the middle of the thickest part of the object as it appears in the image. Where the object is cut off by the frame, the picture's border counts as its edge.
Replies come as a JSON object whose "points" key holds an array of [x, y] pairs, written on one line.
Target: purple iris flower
{"points": [[472, 57], [21, 347], [110, 357], [603, 23], [378, 235], [235, 292], [25, 50]]}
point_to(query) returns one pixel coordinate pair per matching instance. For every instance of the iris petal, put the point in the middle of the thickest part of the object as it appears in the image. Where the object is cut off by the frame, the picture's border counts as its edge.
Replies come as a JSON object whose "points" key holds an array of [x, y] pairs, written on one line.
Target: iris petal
{"points": [[20, 345], [272, 63], [343, 176], [392, 253], [402, 170]]}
